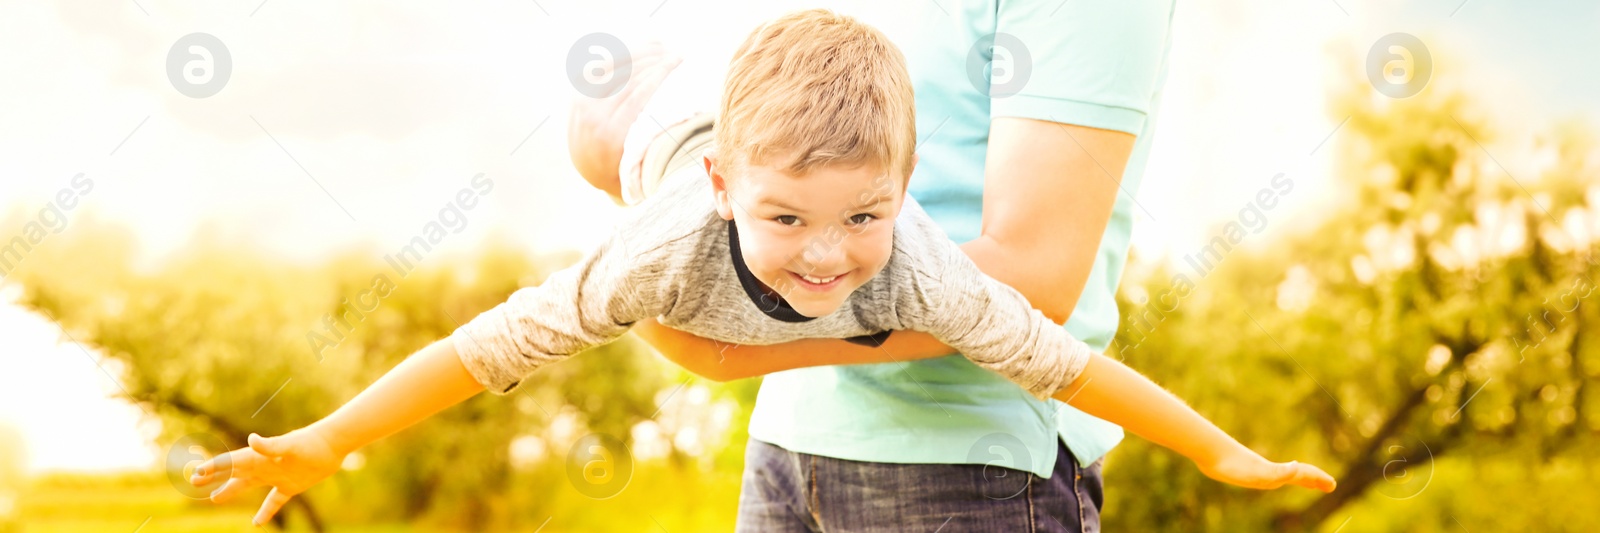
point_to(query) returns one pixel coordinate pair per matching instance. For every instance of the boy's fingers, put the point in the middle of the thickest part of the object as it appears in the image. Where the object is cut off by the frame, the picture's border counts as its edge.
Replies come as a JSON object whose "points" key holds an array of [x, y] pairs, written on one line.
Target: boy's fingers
{"points": [[1310, 476], [203, 473], [270, 447], [229, 490], [208, 471], [245, 460], [237, 463], [273, 503]]}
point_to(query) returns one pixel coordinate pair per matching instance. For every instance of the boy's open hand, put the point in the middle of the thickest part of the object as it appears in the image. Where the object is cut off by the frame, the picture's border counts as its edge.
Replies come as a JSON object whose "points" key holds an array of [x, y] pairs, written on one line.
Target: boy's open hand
{"points": [[290, 464], [1253, 471]]}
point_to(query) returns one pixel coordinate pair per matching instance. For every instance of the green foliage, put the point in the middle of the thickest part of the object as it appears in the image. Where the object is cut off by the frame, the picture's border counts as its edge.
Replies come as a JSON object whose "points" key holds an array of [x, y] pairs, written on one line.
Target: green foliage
{"points": [[1431, 341]]}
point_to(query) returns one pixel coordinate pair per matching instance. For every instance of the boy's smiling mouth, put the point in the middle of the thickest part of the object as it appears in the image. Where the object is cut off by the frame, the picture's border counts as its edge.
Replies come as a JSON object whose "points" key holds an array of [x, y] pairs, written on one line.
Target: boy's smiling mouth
{"points": [[819, 283]]}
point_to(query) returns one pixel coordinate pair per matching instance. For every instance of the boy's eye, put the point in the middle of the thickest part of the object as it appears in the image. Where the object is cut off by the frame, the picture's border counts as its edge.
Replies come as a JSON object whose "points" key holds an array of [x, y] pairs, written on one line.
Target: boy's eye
{"points": [[787, 220], [862, 218]]}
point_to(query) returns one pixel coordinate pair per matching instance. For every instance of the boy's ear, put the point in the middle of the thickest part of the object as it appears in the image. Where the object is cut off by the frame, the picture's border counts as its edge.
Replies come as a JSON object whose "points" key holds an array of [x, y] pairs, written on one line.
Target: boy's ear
{"points": [[719, 184], [909, 172], [905, 185]]}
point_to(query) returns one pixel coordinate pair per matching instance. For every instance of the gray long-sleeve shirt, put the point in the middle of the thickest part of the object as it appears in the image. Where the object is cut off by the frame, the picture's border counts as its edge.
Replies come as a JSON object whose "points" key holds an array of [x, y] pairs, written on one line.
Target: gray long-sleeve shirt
{"points": [[674, 258]]}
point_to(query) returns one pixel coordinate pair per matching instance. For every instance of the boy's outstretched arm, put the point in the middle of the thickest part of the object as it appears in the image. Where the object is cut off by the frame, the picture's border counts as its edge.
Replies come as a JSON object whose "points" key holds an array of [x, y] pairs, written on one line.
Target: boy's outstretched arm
{"points": [[1110, 390], [417, 388], [587, 304]]}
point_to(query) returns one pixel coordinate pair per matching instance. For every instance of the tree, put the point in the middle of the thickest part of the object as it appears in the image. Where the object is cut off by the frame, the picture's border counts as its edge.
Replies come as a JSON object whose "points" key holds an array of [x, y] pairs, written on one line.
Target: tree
{"points": [[1445, 307]]}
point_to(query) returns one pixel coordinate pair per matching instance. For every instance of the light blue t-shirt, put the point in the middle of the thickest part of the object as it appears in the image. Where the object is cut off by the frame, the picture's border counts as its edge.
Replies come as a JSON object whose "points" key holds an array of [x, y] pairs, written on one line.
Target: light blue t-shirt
{"points": [[1095, 63]]}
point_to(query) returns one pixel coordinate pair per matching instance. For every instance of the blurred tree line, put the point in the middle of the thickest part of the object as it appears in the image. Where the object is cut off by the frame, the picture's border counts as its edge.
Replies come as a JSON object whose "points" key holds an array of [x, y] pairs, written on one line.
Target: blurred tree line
{"points": [[213, 342], [1431, 341]]}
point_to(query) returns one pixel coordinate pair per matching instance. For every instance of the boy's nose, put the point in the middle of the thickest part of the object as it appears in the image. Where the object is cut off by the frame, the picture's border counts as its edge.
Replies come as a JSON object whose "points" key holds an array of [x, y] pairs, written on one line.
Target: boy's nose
{"points": [[823, 259]]}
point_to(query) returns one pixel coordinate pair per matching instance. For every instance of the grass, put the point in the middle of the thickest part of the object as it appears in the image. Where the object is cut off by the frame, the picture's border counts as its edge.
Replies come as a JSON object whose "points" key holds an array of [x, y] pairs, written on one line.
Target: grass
{"points": [[129, 502], [144, 502]]}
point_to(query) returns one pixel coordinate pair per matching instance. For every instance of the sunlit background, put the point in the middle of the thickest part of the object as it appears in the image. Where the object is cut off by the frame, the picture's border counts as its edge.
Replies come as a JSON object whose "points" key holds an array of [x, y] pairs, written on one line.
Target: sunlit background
{"points": [[344, 128]]}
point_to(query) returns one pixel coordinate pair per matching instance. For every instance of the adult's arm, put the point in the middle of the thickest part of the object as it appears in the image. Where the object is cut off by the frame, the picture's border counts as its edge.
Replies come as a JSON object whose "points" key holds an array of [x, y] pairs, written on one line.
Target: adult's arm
{"points": [[1047, 199]]}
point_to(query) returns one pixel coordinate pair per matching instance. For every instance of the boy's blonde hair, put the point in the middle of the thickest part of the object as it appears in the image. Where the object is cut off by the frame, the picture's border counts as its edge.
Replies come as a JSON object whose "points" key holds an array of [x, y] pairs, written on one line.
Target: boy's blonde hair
{"points": [[816, 88]]}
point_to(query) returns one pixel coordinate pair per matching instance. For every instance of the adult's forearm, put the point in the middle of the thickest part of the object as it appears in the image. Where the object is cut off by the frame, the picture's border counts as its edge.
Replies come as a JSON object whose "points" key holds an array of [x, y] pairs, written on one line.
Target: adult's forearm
{"points": [[417, 388], [1110, 390], [1038, 270], [1005, 264]]}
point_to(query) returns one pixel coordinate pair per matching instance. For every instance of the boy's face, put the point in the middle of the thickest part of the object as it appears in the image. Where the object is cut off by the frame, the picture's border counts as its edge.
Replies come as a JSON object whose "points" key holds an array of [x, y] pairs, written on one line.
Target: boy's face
{"points": [[813, 239]]}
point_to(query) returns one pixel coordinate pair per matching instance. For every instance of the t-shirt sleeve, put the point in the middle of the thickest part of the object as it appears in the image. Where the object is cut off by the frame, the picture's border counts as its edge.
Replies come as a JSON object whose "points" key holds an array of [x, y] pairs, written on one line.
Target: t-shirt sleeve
{"points": [[989, 322], [1093, 63], [582, 306]]}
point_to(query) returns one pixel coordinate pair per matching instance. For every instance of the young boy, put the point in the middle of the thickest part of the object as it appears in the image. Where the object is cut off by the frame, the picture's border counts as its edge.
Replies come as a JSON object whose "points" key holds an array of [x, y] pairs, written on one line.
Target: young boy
{"points": [[794, 225]]}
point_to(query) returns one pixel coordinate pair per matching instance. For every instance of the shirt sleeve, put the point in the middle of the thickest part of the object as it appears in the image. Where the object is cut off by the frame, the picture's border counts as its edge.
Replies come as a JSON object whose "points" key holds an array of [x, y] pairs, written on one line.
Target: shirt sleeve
{"points": [[989, 322], [582, 306], [1093, 63]]}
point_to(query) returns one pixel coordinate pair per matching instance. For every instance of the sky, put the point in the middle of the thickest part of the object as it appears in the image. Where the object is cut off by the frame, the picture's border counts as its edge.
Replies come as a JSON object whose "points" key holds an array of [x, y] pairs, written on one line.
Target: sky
{"points": [[353, 123]]}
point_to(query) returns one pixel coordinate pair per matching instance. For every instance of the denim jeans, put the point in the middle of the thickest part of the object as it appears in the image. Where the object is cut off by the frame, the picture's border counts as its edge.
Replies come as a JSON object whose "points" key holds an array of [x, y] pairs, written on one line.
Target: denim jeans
{"points": [[784, 491]]}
